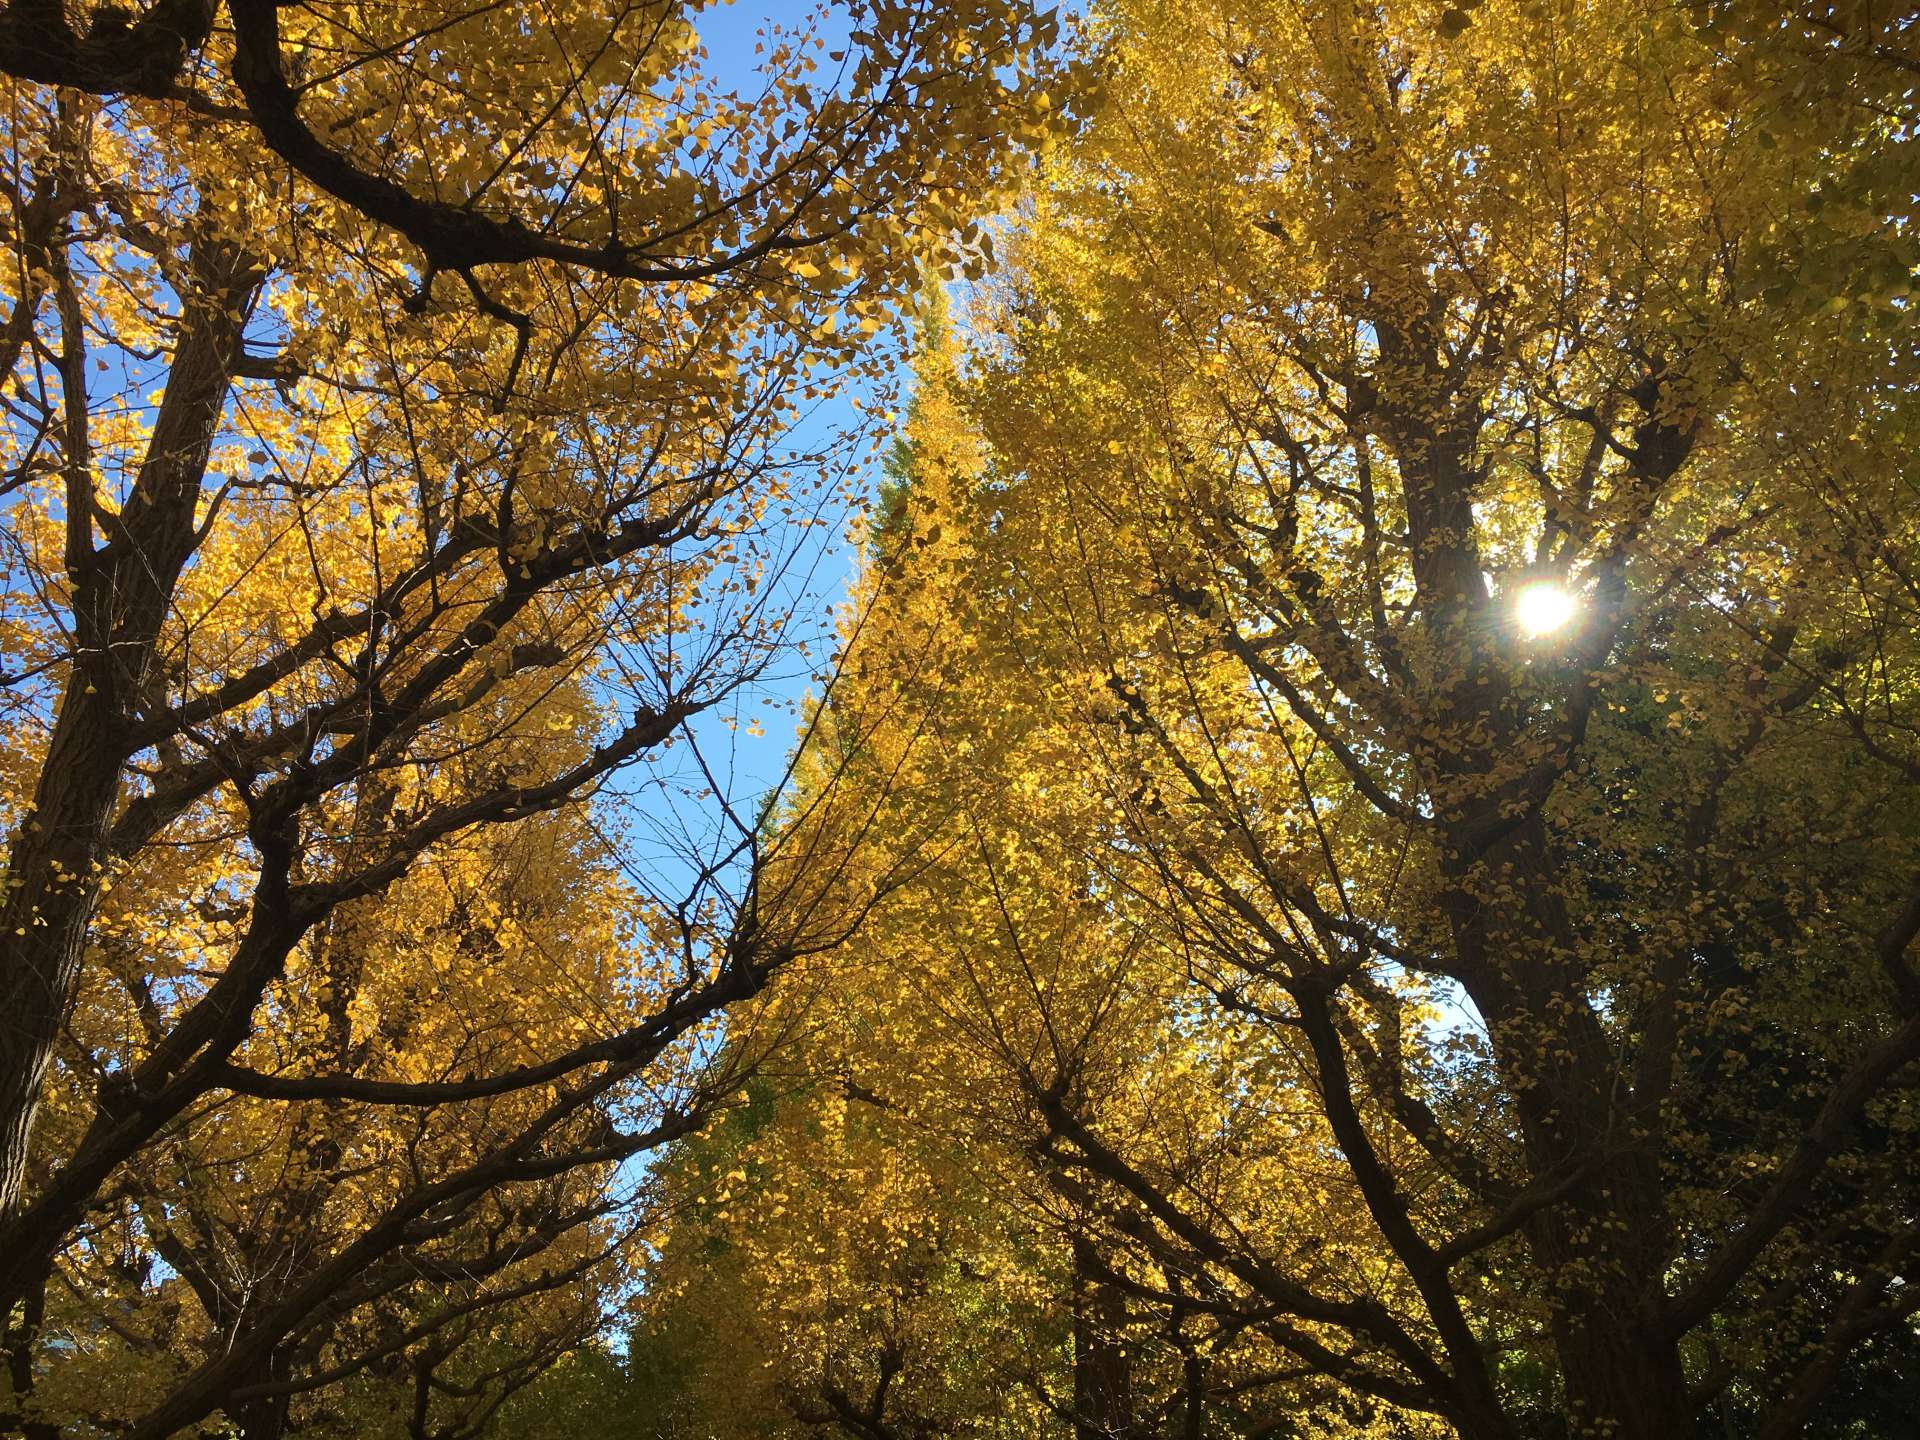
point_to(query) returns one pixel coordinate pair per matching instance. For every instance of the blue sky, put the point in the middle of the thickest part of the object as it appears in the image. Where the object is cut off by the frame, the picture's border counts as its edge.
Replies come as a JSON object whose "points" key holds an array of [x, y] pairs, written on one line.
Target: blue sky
{"points": [[671, 810]]}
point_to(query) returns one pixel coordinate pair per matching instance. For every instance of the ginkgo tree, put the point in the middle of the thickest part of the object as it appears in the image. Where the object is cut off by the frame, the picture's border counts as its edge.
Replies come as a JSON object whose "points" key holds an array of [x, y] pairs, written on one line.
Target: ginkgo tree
{"points": [[886, 1244], [1351, 329], [393, 458], [1438, 583]]}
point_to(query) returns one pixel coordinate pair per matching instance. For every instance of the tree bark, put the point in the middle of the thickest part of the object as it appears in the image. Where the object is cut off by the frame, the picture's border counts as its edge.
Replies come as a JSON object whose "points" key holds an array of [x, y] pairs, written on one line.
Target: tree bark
{"points": [[1102, 1370], [1607, 1246], [121, 595]]}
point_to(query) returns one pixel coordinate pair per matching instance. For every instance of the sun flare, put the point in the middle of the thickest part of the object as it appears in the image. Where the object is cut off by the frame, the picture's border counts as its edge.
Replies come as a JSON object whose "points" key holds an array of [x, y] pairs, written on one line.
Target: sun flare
{"points": [[1542, 607]]}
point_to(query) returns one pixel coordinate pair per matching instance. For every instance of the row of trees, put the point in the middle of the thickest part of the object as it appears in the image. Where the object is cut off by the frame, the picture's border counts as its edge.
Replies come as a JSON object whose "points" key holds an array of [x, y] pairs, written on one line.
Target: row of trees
{"points": [[394, 466], [1223, 967], [1335, 998]]}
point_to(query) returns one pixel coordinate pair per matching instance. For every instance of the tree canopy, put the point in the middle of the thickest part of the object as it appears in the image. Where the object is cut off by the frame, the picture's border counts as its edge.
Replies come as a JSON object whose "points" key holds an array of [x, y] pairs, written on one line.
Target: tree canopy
{"points": [[1353, 871], [394, 460]]}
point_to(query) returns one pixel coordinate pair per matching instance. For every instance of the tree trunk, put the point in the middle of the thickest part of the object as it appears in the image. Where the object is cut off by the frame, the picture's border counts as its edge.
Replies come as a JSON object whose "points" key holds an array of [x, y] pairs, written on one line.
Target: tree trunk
{"points": [[1102, 1370], [1607, 1246], [22, 1335], [121, 596], [264, 1418]]}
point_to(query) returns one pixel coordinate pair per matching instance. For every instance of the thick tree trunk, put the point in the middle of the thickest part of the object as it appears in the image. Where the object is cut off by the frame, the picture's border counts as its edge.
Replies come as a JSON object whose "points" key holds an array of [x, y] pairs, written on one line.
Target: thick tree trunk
{"points": [[1622, 1381], [1607, 1246], [264, 1418], [1102, 1370], [121, 596]]}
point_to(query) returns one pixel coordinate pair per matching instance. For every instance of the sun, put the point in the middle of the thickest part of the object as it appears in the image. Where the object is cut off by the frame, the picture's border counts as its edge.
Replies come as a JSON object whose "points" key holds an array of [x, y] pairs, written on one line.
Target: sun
{"points": [[1542, 607]]}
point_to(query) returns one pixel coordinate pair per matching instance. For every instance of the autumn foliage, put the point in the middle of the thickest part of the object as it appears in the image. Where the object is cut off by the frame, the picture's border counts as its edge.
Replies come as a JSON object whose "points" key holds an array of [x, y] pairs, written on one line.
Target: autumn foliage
{"points": [[394, 455], [1377, 1002], [1352, 871]]}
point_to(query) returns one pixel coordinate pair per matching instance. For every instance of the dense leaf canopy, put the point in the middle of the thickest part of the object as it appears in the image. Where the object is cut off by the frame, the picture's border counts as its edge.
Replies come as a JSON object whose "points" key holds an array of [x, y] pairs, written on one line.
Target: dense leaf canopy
{"points": [[1353, 871]]}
